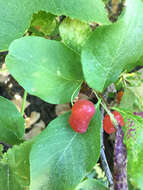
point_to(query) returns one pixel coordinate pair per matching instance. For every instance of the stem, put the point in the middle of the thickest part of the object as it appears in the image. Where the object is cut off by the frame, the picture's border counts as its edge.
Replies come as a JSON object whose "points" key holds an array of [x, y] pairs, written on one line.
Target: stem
{"points": [[107, 110], [103, 157], [106, 169], [72, 97], [102, 153], [23, 103]]}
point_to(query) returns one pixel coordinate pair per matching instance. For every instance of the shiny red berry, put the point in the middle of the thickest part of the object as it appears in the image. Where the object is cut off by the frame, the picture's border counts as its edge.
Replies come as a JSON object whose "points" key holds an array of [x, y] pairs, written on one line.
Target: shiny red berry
{"points": [[82, 113], [108, 125]]}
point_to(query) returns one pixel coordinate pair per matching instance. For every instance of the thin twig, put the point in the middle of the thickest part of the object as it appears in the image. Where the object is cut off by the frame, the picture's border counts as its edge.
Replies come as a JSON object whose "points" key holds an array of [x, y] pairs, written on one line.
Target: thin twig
{"points": [[103, 157], [106, 109]]}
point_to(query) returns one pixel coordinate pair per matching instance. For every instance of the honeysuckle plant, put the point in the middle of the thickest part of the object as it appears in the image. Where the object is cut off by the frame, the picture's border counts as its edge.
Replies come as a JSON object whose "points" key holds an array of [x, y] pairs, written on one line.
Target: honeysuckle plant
{"points": [[54, 47]]}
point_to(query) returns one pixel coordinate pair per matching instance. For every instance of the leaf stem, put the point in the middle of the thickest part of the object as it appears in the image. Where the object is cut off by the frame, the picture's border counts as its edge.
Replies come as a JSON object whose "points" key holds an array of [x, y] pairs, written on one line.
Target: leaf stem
{"points": [[23, 103], [72, 97], [107, 110]]}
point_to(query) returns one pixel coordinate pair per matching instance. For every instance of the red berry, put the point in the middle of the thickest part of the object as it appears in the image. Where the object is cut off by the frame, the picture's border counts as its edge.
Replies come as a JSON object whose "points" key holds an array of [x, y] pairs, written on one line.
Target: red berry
{"points": [[108, 125], [82, 113]]}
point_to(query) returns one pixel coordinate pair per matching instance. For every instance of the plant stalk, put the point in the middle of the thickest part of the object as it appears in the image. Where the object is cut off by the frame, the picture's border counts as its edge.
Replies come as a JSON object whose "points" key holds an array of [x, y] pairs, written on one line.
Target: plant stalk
{"points": [[103, 157], [107, 110], [23, 103]]}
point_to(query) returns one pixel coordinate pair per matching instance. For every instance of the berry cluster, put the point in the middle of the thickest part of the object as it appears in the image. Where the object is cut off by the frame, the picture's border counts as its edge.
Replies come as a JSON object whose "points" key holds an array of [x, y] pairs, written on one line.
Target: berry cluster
{"points": [[82, 113]]}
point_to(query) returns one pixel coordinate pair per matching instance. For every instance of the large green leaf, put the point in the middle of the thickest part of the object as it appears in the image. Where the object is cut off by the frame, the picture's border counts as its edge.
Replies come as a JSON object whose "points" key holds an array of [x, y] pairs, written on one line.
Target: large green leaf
{"points": [[133, 135], [113, 48], [11, 122], [91, 10], [14, 168], [91, 184], [45, 68], [74, 33], [15, 16], [61, 158], [140, 61]]}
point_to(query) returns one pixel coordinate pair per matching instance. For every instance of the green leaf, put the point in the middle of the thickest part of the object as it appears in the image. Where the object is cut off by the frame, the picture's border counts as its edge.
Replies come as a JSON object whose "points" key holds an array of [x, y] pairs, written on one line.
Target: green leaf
{"points": [[91, 10], [15, 16], [74, 33], [43, 23], [4, 175], [113, 48], [133, 135], [140, 61], [14, 167], [91, 184], [130, 100], [133, 96], [61, 158], [52, 72], [12, 125], [129, 115]]}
